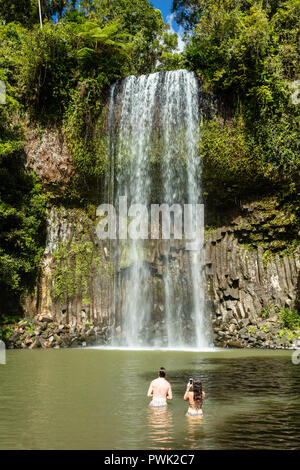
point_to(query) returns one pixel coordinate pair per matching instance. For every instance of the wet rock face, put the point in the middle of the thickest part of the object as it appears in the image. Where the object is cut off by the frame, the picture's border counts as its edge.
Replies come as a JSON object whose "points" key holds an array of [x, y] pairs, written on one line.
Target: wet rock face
{"points": [[240, 285], [48, 156], [75, 280]]}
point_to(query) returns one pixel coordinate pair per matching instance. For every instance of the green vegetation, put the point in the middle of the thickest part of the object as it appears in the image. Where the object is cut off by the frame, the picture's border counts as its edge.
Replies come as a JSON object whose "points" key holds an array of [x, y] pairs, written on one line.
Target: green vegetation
{"points": [[288, 321], [247, 53], [22, 207], [7, 326], [265, 313], [230, 169], [290, 318], [59, 76], [283, 324], [61, 73], [84, 126], [273, 225], [76, 264], [252, 329]]}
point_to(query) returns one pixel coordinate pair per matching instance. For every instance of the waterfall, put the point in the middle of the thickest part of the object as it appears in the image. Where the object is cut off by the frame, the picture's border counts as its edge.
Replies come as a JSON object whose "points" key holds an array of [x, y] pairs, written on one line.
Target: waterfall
{"points": [[154, 131]]}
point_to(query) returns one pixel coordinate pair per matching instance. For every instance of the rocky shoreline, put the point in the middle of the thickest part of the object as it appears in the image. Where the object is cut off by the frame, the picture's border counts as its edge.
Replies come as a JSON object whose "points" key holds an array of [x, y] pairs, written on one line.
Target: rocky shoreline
{"points": [[245, 333], [44, 332]]}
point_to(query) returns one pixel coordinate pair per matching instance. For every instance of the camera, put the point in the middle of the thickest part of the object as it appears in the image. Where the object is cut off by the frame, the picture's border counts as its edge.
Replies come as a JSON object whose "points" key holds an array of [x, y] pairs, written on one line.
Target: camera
{"points": [[191, 381]]}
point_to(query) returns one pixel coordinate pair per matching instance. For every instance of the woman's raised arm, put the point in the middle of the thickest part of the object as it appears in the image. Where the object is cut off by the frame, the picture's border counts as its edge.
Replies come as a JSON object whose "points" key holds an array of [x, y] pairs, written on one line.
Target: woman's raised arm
{"points": [[186, 395]]}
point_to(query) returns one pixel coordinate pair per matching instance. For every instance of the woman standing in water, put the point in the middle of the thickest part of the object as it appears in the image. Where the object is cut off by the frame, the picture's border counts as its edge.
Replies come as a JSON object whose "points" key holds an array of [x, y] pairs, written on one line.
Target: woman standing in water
{"points": [[195, 398]]}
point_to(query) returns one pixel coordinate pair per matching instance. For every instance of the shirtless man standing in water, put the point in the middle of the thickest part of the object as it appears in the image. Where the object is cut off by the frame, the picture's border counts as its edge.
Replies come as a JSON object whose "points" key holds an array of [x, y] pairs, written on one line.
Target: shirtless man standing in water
{"points": [[160, 389]]}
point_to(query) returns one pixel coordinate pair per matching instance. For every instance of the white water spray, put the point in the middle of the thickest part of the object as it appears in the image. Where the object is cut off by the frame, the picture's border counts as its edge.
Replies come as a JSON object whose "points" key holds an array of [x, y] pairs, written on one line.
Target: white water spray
{"points": [[154, 127]]}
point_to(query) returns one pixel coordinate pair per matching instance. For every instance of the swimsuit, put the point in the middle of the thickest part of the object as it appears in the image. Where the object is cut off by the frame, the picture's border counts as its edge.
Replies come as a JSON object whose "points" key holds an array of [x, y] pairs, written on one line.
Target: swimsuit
{"points": [[194, 412], [158, 402]]}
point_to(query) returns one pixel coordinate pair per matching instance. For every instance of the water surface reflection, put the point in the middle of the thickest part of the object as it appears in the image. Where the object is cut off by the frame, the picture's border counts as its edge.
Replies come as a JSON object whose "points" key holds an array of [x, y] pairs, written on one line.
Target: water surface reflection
{"points": [[160, 422]]}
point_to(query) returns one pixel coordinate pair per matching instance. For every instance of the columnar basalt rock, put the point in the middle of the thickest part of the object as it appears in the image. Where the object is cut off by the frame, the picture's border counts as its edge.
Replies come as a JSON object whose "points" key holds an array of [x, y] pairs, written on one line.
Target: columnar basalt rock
{"points": [[240, 285], [75, 272], [77, 281]]}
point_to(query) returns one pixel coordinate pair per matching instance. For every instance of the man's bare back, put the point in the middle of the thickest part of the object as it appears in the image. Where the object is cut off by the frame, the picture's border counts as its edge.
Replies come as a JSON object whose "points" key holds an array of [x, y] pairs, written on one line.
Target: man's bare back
{"points": [[160, 390]]}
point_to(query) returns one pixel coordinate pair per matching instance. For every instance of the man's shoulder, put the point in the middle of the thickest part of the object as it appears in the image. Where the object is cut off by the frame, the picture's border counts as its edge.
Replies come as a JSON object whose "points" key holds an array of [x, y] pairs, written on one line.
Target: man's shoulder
{"points": [[159, 381], [166, 383]]}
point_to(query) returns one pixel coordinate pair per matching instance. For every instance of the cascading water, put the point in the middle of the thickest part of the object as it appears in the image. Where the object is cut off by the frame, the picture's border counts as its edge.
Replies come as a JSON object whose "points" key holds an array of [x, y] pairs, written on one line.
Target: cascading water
{"points": [[154, 127]]}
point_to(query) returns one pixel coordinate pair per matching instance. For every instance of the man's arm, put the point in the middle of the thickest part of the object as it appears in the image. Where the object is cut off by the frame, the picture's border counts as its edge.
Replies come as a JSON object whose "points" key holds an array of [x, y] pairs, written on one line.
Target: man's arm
{"points": [[169, 394], [150, 391]]}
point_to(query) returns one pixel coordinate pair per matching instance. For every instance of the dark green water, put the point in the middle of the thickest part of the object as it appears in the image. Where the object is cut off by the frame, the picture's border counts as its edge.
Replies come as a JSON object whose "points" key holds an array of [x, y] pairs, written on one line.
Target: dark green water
{"points": [[96, 399]]}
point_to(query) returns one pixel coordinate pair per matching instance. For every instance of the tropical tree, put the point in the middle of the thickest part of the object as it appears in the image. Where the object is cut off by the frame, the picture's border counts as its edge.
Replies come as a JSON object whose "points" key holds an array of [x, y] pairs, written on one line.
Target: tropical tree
{"points": [[57, 7], [15, 10], [96, 39], [187, 12]]}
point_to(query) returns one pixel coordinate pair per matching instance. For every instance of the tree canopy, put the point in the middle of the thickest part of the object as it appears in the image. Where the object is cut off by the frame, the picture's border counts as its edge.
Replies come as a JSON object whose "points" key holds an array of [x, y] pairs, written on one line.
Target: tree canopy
{"points": [[59, 76], [247, 53]]}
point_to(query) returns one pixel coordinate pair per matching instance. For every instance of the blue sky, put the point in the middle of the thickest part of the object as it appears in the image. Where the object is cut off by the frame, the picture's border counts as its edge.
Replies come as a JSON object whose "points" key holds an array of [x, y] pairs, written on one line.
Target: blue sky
{"points": [[165, 7]]}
